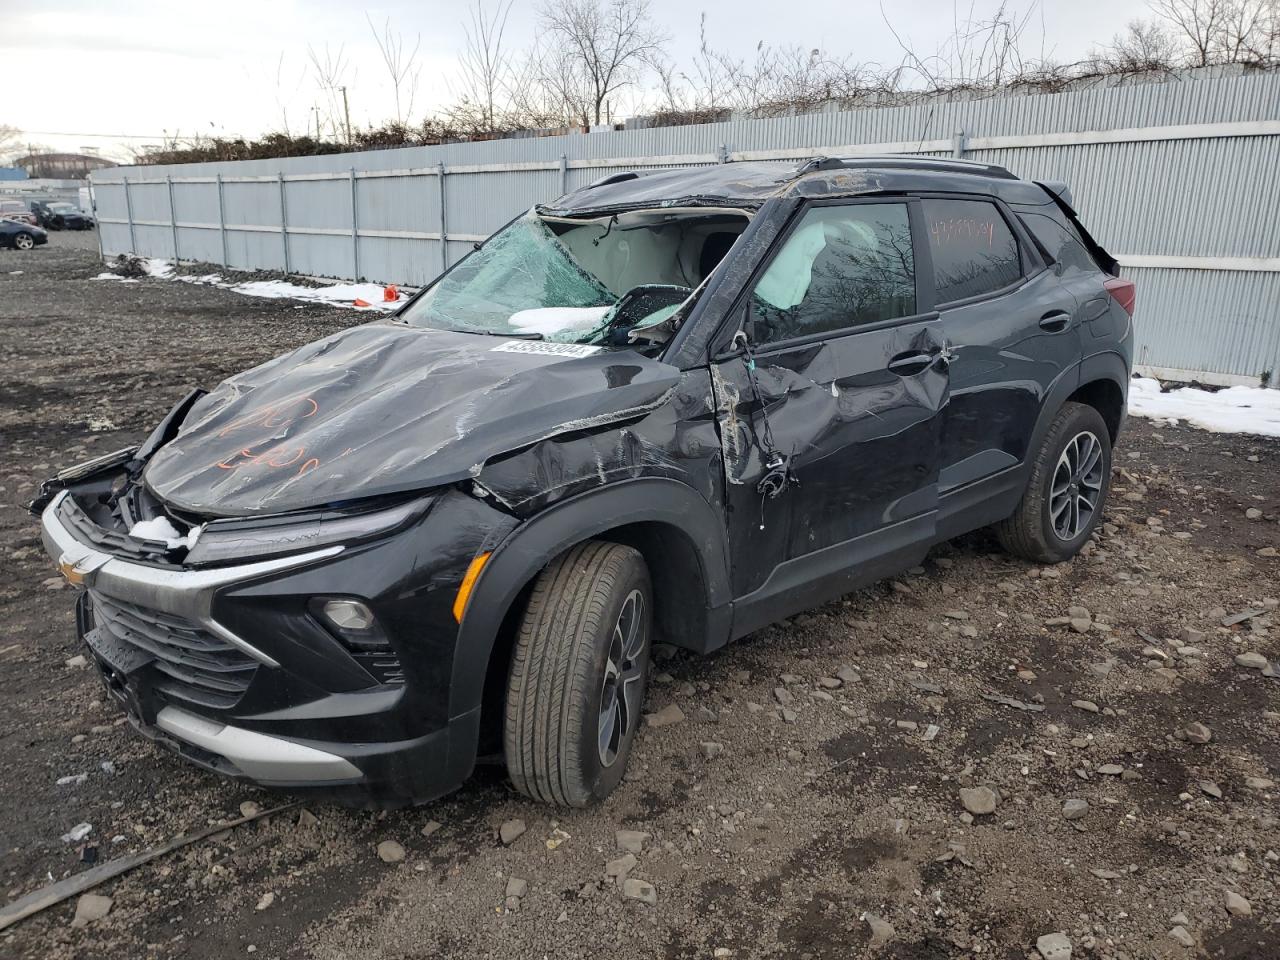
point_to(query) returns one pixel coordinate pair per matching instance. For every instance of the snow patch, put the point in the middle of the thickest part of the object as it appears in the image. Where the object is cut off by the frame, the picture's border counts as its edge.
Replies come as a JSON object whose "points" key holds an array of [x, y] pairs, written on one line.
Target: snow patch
{"points": [[338, 294], [163, 530], [549, 320], [334, 294], [1233, 410]]}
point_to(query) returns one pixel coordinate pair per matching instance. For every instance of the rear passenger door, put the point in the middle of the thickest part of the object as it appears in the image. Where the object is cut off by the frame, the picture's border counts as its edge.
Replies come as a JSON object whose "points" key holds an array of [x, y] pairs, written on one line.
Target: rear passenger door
{"points": [[1076, 270], [1013, 330]]}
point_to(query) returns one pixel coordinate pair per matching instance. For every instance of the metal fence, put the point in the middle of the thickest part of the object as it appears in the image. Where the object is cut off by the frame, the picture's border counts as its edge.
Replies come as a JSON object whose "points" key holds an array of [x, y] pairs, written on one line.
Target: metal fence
{"points": [[1177, 178]]}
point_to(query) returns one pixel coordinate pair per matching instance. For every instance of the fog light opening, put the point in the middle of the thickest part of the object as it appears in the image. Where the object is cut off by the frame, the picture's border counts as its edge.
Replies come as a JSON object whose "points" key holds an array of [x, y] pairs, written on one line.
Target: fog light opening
{"points": [[352, 622], [348, 615]]}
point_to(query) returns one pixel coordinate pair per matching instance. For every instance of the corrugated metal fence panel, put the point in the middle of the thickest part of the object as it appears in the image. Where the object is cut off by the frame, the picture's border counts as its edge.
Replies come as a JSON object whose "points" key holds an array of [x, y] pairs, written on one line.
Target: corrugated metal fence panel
{"points": [[1188, 197], [479, 203], [1212, 321], [1205, 198]]}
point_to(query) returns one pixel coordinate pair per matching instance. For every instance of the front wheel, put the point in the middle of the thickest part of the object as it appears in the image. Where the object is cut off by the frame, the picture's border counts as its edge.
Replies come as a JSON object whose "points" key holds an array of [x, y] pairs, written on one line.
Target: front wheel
{"points": [[578, 675], [1067, 490], [24, 241]]}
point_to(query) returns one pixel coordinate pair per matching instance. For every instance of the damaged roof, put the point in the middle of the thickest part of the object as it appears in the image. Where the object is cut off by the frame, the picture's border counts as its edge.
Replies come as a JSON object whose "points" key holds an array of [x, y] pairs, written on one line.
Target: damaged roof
{"points": [[750, 184]]}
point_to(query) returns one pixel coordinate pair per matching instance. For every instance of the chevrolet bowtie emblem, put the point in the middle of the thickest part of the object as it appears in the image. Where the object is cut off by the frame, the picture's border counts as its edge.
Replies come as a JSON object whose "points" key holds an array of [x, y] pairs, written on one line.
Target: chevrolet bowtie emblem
{"points": [[77, 570]]}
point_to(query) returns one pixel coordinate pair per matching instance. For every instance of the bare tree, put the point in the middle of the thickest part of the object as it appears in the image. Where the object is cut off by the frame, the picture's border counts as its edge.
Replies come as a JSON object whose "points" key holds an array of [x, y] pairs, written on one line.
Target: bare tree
{"points": [[10, 138], [1143, 45], [402, 67], [1250, 32], [979, 54], [595, 48], [486, 70], [1199, 22], [331, 69]]}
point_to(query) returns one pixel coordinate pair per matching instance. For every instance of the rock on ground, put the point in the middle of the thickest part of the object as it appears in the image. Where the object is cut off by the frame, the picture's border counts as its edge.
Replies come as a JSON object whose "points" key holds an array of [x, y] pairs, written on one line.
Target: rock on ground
{"points": [[978, 800], [90, 907], [642, 890], [389, 851], [1054, 946], [511, 831]]}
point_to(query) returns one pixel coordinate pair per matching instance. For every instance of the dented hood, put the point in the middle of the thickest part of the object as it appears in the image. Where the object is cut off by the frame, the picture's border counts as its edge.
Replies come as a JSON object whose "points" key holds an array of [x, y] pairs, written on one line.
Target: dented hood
{"points": [[385, 408]]}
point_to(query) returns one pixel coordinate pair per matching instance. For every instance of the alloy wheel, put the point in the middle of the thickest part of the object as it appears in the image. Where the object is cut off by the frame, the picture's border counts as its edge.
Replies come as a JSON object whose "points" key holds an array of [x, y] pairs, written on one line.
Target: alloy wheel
{"points": [[1076, 491], [24, 241], [621, 688]]}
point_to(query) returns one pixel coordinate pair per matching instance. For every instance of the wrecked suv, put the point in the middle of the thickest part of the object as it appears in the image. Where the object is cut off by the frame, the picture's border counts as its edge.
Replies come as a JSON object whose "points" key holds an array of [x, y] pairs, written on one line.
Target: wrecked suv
{"points": [[675, 407]]}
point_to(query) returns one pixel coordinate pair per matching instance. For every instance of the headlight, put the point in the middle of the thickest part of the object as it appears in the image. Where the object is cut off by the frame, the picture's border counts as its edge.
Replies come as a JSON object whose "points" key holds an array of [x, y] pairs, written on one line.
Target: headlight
{"points": [[238, 541]]}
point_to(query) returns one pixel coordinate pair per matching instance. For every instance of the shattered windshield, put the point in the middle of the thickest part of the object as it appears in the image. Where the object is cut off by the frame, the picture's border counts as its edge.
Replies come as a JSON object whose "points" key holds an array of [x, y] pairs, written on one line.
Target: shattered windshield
{"points": [[579, 281]]}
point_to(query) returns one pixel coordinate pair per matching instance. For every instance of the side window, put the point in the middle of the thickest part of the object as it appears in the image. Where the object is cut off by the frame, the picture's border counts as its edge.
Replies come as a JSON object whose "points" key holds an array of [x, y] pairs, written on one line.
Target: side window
{"points": [[843, 266], [974, 251], [1059, 241]]}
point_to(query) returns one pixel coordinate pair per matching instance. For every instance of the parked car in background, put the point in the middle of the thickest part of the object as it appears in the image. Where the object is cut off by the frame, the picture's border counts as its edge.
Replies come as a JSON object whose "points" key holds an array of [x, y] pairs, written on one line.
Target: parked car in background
{"points": [[67, 216], [40, 207], [18, 210], [677, 406], [21, 235]]}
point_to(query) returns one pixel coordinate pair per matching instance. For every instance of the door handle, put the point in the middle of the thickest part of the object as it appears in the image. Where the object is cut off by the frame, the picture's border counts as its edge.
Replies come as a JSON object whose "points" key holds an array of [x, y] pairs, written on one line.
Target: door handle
{"points": [[1055, 321], [913, 362]]}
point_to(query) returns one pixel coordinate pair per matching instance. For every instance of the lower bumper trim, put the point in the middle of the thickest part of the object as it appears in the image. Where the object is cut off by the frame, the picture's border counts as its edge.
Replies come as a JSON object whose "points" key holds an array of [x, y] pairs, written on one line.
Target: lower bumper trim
{"points": [[257, 755]]}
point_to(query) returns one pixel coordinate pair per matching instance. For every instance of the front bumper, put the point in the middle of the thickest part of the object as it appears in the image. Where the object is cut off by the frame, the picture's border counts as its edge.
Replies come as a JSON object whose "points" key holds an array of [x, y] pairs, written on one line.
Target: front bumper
{"points": [[225, 667]]}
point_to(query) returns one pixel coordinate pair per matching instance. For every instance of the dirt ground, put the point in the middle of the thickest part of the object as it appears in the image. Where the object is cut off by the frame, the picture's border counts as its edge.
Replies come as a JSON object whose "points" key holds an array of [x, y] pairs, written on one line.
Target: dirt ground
{"points": [[833, 830]]}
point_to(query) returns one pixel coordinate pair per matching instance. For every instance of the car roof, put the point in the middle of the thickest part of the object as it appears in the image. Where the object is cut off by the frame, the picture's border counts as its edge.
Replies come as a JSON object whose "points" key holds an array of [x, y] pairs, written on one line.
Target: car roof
{"points": [[749, 184]]}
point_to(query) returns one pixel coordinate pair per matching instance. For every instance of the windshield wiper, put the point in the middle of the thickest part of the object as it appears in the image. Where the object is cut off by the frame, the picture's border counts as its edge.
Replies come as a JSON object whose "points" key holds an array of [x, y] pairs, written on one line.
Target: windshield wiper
{"points": [[510, 336]]}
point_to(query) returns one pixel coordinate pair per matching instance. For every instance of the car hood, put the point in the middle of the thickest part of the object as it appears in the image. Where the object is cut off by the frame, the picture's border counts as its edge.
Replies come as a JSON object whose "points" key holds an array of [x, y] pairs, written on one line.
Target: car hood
{"points": [[385, 408]]}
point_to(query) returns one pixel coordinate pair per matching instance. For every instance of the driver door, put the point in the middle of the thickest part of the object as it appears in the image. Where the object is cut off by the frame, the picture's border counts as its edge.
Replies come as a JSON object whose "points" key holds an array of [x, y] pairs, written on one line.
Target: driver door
{"points": [[830, 415]]}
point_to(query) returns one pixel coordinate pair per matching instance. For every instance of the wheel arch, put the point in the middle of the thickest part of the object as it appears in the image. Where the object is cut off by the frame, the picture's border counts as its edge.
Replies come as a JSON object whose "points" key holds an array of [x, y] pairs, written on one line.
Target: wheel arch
{"points": [[1107, 396], [679, 535], [1100, 379]]}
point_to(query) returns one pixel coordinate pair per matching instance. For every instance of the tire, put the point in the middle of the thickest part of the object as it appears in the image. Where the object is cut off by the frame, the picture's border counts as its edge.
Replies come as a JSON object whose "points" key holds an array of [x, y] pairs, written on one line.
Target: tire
{"points": [[1072, 466], [582, 616], [24, 241]]}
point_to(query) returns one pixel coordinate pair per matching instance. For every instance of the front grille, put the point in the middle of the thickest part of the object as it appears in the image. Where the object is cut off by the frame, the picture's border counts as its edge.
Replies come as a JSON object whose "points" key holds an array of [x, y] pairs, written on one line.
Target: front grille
{"points": [[194, 665]]}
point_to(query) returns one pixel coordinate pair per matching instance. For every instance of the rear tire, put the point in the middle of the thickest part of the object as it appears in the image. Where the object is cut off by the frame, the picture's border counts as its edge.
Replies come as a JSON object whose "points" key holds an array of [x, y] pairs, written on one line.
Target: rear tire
{"points": [[24, 241], [1067, 491], [578, 674]]}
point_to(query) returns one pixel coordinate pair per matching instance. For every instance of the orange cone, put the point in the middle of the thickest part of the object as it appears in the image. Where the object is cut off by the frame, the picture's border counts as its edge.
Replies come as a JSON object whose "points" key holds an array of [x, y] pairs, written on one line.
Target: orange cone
{"points": [[362, 303], [390, 293]]}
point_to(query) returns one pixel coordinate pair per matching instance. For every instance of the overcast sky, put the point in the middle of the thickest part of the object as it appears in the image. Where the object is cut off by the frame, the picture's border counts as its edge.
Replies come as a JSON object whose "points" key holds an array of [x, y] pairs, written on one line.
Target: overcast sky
{"points": [[82, 73]]}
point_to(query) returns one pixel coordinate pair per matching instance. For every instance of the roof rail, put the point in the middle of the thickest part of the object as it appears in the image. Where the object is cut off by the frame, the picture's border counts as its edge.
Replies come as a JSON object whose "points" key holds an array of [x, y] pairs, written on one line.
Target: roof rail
{"points": [[614, 178], [905, 160]]}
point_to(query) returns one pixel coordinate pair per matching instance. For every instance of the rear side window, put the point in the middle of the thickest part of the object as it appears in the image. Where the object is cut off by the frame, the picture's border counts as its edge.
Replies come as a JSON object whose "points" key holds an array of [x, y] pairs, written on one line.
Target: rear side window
{"points": [[842, 267], [974, 251], [1060, 241]]}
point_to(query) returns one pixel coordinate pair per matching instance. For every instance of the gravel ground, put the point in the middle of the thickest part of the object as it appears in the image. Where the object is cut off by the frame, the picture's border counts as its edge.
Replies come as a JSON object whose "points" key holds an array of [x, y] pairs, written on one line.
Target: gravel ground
{"points": [[842, 785]]}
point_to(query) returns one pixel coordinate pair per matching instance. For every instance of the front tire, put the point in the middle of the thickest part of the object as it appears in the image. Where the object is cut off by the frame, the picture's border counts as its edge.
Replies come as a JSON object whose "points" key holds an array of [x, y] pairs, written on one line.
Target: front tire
{"points": [[24, 241], [1067, 491], [578, 675]]}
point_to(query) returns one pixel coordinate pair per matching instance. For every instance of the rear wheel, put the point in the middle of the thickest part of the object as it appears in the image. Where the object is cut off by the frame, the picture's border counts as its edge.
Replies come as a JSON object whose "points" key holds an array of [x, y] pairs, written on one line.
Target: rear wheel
{"points": [[1065, 496], [578, 675], [24, 241]]}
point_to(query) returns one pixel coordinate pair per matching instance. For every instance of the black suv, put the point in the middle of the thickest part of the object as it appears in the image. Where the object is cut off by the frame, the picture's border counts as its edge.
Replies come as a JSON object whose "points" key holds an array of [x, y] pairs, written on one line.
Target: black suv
{"points": [[675, 406]]}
